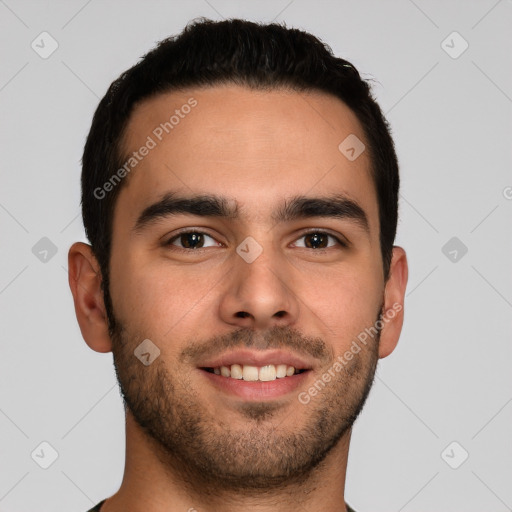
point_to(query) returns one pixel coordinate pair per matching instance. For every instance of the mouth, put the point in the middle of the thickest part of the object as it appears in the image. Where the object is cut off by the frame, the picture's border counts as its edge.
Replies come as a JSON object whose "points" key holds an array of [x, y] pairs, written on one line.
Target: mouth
{"points": [[250, 373], [256, 375]]}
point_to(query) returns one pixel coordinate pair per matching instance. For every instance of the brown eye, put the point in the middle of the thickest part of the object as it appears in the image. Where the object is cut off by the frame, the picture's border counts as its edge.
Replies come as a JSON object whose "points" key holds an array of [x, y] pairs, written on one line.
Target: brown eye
{"points": [[191, 240], [319, 240]]}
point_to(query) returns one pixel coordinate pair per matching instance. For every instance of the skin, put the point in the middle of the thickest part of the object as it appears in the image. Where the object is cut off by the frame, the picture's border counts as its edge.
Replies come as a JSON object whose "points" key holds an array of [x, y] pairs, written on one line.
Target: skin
{"points": [[256, 148]]}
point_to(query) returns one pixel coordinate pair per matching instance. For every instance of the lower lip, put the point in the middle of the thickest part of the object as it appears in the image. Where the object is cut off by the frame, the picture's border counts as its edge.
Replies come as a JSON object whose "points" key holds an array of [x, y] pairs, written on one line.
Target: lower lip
{"points": [[257, 390]]}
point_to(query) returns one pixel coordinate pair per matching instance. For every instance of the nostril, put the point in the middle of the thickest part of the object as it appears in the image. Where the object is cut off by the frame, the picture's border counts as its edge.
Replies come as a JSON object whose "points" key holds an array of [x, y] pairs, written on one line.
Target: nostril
{"points": [[242, 314]]}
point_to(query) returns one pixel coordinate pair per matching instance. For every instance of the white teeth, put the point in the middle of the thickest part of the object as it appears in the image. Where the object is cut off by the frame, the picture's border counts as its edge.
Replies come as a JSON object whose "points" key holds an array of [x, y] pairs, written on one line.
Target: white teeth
{"points": [[236, 371], [280, 371], [267, 372], [251, 373]]}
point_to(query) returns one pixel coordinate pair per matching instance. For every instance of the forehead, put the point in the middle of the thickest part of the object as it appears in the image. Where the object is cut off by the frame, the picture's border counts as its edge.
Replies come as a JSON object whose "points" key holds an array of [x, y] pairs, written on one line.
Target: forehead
{"points": [[253, 146]]}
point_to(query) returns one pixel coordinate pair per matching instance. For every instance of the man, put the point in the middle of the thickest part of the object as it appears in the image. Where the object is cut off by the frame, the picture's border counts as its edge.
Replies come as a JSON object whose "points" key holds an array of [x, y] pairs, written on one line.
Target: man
{"points": [[239, 190]]}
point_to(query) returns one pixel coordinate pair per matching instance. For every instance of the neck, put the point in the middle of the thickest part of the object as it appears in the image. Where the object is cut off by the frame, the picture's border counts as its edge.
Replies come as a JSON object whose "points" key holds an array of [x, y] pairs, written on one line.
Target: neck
{"points": [[152, 484]]}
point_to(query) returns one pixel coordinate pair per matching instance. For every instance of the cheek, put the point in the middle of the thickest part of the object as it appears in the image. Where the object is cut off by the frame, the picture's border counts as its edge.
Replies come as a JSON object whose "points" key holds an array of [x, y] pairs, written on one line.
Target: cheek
{"points": [[345, 303], [158, 298]]}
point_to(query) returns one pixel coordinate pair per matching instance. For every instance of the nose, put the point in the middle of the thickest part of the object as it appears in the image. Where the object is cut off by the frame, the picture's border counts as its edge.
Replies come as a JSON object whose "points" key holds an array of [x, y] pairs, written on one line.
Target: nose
{"points": [[259, 294]]}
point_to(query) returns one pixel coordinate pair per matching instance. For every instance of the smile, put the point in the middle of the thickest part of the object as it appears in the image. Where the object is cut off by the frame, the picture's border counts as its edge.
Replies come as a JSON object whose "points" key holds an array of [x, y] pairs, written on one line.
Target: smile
{"points": [[252, 373]]}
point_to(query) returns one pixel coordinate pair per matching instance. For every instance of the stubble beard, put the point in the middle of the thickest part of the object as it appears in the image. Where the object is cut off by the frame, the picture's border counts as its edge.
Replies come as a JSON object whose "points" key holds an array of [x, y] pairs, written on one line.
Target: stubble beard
{"points": [[207, 453]]}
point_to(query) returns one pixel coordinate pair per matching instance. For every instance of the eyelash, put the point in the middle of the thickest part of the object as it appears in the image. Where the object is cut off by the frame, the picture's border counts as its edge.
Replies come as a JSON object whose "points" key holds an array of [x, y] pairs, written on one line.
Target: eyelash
{"points": [[169, 243]]}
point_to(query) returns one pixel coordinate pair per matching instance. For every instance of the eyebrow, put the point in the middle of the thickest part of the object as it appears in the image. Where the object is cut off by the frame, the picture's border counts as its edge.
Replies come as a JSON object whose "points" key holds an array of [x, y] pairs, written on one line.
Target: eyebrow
{"points": [[337, 206]]}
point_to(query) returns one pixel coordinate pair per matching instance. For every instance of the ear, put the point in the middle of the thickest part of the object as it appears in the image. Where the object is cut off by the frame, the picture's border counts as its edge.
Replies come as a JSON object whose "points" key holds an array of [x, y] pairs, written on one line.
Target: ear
{"points": [[393, 309], [85, 282]]}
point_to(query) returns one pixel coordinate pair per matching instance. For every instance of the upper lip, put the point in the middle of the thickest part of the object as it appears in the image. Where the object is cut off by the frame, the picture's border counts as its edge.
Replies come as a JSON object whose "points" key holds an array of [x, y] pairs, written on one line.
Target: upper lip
{"points": [[258, 358]]}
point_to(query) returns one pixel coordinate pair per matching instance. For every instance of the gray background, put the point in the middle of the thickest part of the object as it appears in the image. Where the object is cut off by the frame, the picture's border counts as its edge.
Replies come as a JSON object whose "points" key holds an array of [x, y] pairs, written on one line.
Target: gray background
{"points": [[449, 378]]}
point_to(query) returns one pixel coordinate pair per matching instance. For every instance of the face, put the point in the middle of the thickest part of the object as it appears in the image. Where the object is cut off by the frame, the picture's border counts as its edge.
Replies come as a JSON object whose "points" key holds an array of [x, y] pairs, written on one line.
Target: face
{"points": [[245, 243]]}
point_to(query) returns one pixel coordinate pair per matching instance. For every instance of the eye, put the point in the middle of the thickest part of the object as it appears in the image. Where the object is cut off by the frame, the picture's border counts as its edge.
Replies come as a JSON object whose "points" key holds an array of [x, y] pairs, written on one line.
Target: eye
{"points": [[319, 240], [191, 240]]}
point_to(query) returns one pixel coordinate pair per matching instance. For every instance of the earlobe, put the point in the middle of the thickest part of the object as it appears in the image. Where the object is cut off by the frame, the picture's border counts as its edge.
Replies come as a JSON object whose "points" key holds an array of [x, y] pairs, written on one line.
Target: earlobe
{"points": [[393, 310], [84, 277]]}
